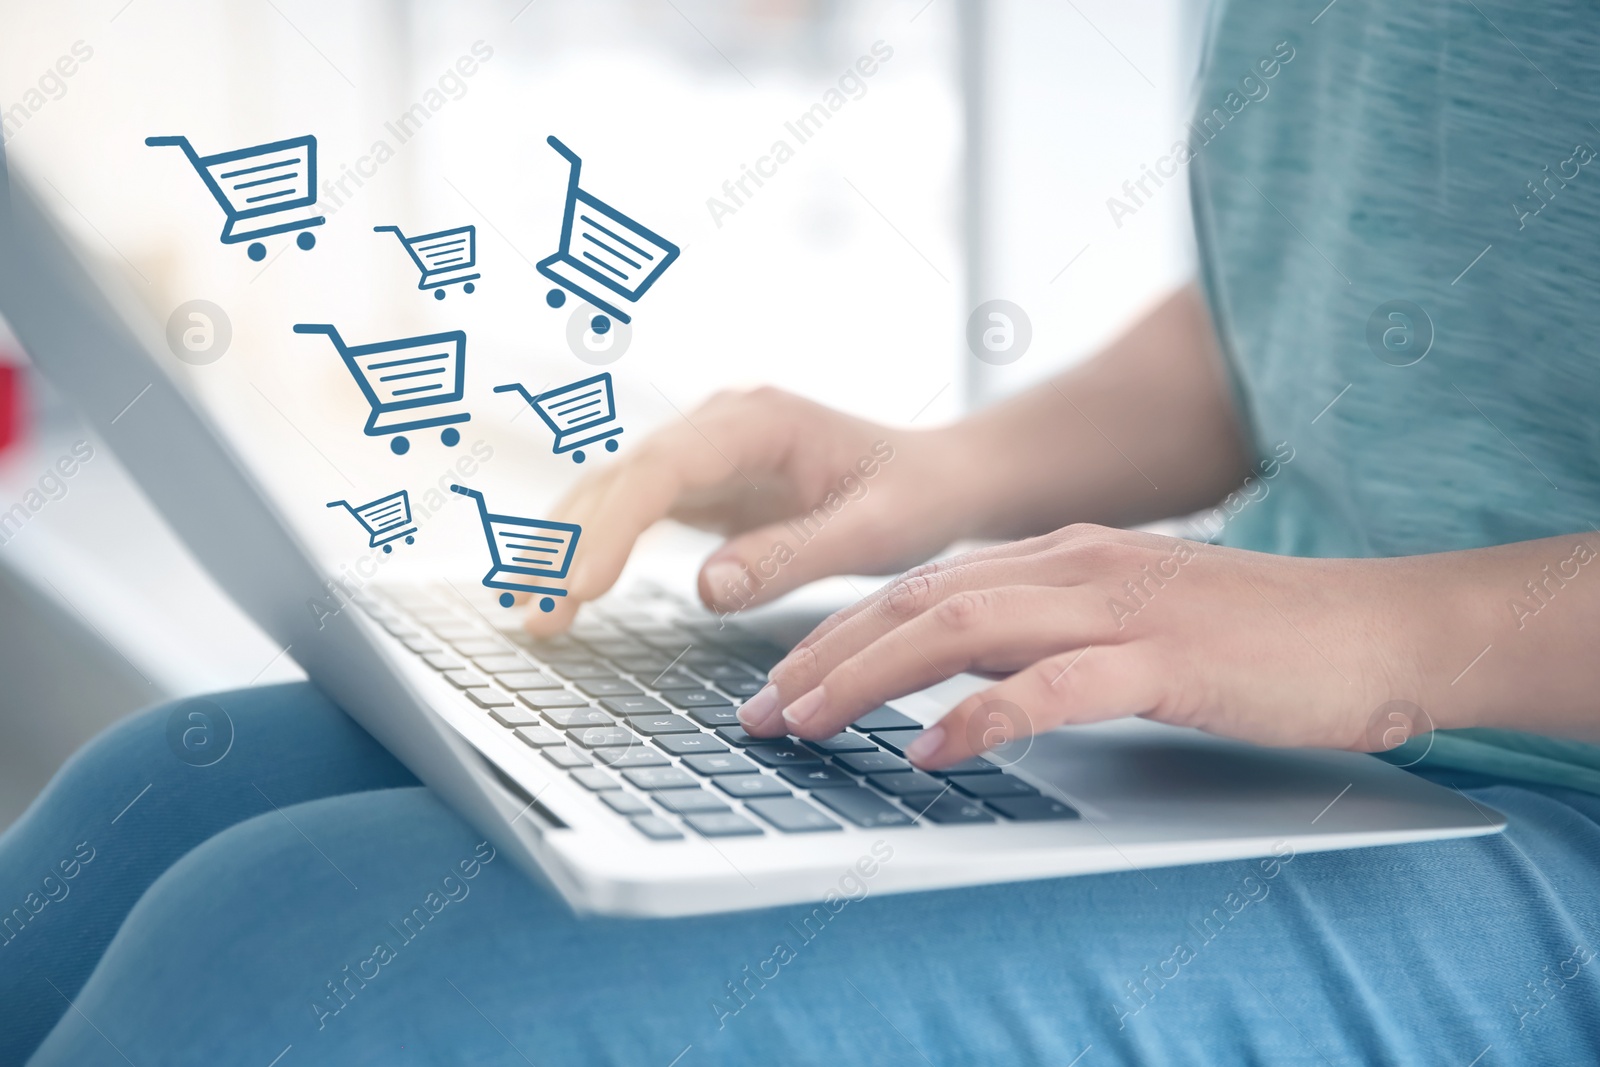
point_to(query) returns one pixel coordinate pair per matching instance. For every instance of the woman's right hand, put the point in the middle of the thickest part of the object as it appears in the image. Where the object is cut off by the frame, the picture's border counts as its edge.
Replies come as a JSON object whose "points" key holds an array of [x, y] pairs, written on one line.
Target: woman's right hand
{"points": [[800, 491]]}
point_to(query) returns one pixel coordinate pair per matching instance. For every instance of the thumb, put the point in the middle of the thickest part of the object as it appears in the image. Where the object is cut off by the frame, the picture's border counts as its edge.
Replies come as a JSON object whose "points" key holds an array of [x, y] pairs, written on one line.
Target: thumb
{"points": [[763, 564]]}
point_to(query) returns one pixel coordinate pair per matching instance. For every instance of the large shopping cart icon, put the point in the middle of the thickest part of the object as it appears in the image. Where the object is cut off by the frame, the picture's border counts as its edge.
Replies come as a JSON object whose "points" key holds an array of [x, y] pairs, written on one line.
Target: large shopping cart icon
{"points": [[445, 257], [606, 257], [523, 550], [264, 190], [386, 519], [414, 383], [579, 414]]}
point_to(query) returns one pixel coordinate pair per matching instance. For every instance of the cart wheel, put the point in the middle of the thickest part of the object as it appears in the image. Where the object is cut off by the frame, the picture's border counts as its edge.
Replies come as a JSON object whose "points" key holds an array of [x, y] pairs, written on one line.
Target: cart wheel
{"points": [[555, 298], [410, 540], [611, 445], [387, 549], [600, 324], [546, 604], [257, 251], [399, 446], [469, 288], [438, 294], [506, 600], [307, 240], [451, 437]]}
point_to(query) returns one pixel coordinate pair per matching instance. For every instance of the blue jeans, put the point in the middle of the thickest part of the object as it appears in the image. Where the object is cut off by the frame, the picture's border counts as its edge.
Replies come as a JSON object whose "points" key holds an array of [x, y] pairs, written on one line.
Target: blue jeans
{"points": [[303, 897]]}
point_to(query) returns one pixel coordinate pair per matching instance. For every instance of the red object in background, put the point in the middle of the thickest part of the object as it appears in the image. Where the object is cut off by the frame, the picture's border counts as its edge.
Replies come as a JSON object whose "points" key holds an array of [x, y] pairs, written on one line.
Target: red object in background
{"points": [[11, 405]]}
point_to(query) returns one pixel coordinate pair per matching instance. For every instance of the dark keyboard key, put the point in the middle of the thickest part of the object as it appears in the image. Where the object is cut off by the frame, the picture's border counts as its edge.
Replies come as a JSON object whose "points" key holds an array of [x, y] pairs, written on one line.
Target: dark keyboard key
{"points": [[651, 725], [744, 688], [636, 705], [722, 824], [643, 666], [715, 716], [994, 785], [652, 778], [544, 699], [594, 778], [758, 654], [726, 671], [750, 785], [671, 680], [972, 765], [607, 687], [515, 717], [625, 803], [735, 735], [1032, 809], [817, 776], [792, 815], [613, 648], [886, 718], [566, 757], [578, 718], [443, 661], [841, 743], [896, 741], [950, 808], [501, 662], [908, 784], [690, 744], [602, 736], [690, 801], [781, 754], [526, 679], [719, 763], [656, 828], [861, 806], [491, 698], [465, 679], [702, 656], [872, 762], [580, 668], [540, 736], [631, 756], [695, 698], [480, 646]]}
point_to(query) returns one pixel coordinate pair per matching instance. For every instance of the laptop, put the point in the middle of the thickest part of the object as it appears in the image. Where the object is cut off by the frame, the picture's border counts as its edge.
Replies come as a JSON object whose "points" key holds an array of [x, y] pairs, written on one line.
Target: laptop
{"points": [[608, 761]]}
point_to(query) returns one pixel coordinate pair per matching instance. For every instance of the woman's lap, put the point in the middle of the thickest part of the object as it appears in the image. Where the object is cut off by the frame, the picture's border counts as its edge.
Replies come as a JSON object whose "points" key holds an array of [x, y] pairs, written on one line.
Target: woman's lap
{"points": [[1412, 953]]}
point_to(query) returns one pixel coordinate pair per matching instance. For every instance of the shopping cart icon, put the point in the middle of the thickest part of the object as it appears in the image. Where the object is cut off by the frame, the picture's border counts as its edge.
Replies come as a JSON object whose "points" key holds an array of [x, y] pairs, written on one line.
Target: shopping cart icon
{"points": [[579, 414], [524, 549], [414, 383], [602, 251], [444, 257], [386, 519], [266, 189]]}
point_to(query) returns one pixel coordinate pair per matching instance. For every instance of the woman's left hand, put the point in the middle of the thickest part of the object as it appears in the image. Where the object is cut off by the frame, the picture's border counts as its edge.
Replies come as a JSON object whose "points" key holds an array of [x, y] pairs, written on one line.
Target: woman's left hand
{"points": [[1093, 623]]}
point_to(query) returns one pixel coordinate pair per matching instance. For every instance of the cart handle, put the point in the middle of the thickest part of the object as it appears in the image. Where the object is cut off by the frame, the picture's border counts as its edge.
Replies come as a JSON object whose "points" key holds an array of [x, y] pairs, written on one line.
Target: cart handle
{"points": [[175, 142], [515, 387], [342, 504], [319, 327], [389, 229], [473, 493], [568, 154]]}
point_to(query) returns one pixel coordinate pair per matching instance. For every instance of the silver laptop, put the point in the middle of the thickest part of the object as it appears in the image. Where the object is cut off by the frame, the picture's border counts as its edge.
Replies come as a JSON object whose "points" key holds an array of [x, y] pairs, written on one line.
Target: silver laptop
{"points": [[608, 761]]}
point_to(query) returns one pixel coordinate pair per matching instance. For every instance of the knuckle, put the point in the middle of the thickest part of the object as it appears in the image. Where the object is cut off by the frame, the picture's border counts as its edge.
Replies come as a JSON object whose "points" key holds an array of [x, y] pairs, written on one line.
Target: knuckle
{"points": [[800, 668], [911, 596], [964, 610]]}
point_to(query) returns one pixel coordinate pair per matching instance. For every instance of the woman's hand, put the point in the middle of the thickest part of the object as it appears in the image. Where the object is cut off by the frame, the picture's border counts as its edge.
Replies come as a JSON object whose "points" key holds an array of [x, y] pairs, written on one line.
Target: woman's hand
{"points": [[801, 491], [1094, 623]]}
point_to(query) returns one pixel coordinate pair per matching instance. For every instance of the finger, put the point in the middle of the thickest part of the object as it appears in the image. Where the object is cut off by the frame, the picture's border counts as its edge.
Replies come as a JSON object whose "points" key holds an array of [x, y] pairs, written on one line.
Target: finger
{"points": [[1085, 685]]}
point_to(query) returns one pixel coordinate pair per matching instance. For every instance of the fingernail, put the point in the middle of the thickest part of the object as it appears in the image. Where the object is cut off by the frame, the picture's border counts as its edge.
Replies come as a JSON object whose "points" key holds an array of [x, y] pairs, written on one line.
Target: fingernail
{"points": [[757, 712], [722, 582], [926, 744], [808, 705]]}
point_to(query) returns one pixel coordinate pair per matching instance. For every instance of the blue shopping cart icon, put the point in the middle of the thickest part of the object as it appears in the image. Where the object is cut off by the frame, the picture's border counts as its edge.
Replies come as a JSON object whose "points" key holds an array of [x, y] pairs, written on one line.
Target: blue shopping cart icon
{"points": [[385, 519], [445, 257], [580, 413], [264, 190], [414, 383], [522, 550]]}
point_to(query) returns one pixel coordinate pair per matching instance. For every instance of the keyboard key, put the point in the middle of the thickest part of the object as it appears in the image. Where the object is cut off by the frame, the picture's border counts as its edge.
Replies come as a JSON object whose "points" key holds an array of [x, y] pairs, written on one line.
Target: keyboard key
{"points": [[594, 778], [607, 687], [872, 762], [695, 698], [651, 725], [580, 668], [491, 698], [674, 679], [861, 806], [735, 735], [896, 741], [950, 808], [744, 688], [690, 744], [422, 646], [841, 743], [612, 648], [602, 736], [722, 824], [465, 679], [972, 765], [526, 679], [631, 756], [994, 785], [443, 661], [653, 778], [544, 699], [817, 776], [886, 718], [726, 671], [719, 763], [792, 815], [690, 801], [540, 736], [501, 662], [578, 718], [656, 828], [750, 785], [908, 784], [514, 717], [781, 753], [566, 757], [1032, 809], [715, 716], [638, 705], [644, 666], [480, 646], [547, 648], [625, 803]]}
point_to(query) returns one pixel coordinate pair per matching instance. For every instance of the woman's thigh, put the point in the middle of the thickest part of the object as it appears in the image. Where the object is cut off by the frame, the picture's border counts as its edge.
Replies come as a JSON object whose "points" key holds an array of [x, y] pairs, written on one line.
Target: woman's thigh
{"points": [[379, 928], [133, 801]]}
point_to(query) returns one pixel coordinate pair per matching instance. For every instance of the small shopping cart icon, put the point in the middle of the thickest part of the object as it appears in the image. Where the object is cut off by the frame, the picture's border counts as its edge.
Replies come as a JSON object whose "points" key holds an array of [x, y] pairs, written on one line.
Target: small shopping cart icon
{"points": [[415, 383], [606, 258], [386, 519], [579, 414], [445, 257], [264, 190], [523, 550]]}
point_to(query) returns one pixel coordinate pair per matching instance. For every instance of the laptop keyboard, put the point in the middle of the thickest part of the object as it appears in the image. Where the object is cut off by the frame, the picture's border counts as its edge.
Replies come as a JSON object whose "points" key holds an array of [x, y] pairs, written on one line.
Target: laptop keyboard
{"points": [[638, 704]]}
